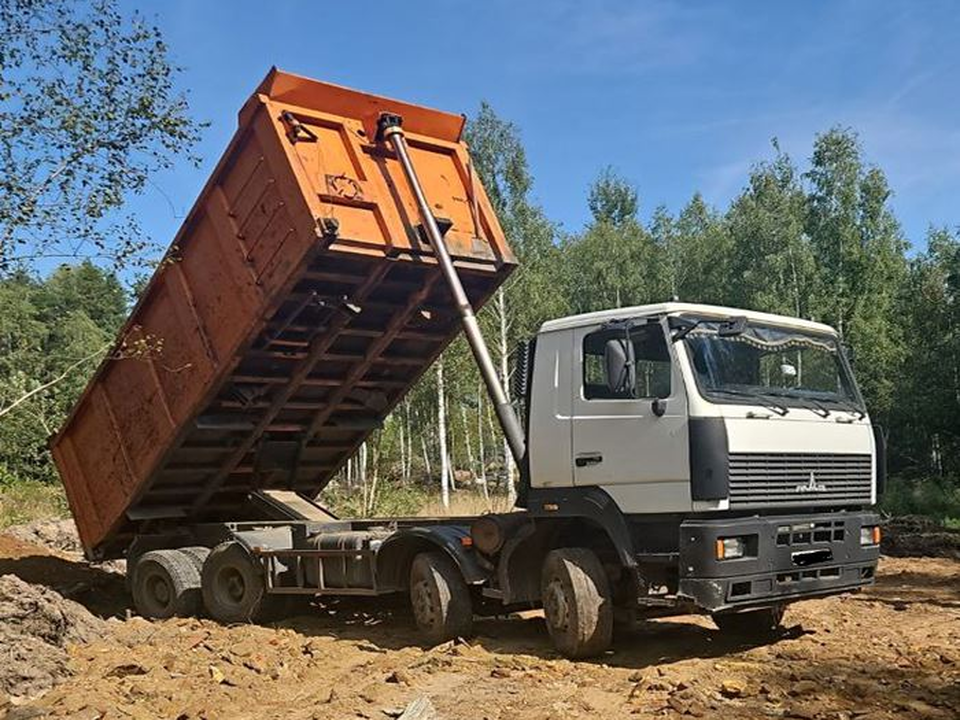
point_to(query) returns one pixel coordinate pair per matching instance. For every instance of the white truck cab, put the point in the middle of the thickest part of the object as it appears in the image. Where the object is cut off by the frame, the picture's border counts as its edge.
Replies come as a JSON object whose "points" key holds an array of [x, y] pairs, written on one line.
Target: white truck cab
{"points": [[684, 408]]}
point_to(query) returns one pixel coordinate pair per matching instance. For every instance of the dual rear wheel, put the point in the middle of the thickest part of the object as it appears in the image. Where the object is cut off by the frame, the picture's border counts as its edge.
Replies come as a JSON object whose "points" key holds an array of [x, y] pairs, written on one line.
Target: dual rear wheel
{"points": [[166, 583], [224, 581]]}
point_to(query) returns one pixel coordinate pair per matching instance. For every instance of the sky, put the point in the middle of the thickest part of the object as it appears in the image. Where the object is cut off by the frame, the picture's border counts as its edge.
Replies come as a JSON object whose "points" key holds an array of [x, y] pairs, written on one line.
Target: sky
{"points": [[678, 97]]}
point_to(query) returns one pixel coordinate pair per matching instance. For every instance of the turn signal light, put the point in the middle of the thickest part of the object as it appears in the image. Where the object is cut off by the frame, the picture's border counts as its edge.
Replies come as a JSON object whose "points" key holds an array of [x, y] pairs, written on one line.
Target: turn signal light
{"points": [[870, 535], [729, 548]]}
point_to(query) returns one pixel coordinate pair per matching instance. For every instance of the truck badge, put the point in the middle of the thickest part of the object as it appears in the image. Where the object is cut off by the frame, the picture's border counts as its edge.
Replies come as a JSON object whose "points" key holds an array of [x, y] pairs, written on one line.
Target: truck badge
{"points": [[811, 486]]}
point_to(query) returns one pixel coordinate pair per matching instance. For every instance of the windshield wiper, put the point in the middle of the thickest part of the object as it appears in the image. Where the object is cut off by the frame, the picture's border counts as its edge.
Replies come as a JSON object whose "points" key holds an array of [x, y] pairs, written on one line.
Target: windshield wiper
{"points": [[808, 402], [849, 407], [817, 407], [779, 408]]}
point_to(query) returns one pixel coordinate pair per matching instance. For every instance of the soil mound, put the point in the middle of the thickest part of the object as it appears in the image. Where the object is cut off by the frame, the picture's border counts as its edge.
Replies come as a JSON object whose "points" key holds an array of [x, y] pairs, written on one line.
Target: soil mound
{"points": [[36, 626], [918, 536], [51, 534]]}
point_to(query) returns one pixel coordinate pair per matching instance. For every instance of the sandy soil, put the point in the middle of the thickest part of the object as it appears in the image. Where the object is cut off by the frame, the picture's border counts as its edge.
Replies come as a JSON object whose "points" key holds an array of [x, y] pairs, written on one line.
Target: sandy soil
{"points": [[893, 651]]}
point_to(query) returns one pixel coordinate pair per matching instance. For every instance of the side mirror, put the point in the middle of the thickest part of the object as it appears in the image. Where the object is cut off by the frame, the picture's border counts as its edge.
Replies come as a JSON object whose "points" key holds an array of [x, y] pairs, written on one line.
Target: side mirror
{"points": [[619, 367]]}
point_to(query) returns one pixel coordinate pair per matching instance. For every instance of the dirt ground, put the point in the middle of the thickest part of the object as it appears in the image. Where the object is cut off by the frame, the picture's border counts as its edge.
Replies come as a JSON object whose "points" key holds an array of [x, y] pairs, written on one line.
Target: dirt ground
{"points": [[893, 651]]}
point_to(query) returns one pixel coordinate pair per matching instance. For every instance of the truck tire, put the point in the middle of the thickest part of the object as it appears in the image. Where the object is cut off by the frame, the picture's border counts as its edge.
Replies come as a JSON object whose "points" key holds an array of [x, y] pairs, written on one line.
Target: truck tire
{"points": [[764, 622], [232, 585], [198, 554], [440, 598], [165, 583], [577, 602]]}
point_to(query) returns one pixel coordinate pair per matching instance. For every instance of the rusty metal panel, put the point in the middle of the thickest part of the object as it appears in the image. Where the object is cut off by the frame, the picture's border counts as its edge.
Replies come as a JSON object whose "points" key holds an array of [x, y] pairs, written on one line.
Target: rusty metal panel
{"points": [[295, 307]]}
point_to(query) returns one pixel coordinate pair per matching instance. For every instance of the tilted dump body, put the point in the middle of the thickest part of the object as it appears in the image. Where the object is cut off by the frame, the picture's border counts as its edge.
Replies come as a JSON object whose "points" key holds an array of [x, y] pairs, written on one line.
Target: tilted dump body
{"points": [[298, 303]]}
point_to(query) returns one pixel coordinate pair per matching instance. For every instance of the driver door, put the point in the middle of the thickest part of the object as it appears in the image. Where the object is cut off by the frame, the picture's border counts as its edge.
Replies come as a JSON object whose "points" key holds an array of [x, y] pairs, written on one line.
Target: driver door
{"points": [[631, 441]]}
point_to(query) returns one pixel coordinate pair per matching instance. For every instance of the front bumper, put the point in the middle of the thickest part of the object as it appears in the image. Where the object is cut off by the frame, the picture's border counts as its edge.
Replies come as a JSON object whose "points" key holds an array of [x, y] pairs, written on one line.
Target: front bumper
{"points": [[789, 558]]}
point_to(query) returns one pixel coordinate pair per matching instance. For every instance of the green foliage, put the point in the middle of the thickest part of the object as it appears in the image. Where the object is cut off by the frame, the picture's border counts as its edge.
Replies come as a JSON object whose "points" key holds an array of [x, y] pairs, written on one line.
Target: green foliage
{"points": [[50, 330], [88, 110], [22, 502], [612, 199], [771, 260], [860, 259], [934, 497], [612, 262], [926, 414]]}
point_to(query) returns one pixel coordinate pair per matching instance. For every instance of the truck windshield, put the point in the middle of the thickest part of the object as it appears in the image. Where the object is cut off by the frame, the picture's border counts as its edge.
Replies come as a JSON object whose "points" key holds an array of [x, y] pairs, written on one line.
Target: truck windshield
{"points": [[761, 362]]}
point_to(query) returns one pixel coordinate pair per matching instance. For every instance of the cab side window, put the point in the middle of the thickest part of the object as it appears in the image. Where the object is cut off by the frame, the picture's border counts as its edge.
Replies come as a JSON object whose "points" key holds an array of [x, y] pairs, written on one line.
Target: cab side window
{"points": [[651, 366]]}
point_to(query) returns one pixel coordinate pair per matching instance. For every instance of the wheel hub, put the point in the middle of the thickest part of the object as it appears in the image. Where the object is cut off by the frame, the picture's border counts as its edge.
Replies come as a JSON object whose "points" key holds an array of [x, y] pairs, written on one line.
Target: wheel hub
{"points": [[234, 587], [160, 590], [424, 607], [555, 605]]}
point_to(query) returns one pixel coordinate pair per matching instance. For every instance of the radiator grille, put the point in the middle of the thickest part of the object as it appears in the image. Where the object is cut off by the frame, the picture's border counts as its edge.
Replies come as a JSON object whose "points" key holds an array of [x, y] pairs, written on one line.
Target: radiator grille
{"points": [[808, 479]]}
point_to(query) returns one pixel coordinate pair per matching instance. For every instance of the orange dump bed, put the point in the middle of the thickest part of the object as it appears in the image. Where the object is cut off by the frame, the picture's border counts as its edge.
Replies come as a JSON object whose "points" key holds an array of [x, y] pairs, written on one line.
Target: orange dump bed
{"points": [[298, 303]]}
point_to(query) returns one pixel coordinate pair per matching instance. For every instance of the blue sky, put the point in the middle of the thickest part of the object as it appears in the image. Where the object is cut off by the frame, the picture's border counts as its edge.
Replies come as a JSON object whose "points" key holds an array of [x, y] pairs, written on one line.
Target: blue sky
{"points": [[678, 97]]}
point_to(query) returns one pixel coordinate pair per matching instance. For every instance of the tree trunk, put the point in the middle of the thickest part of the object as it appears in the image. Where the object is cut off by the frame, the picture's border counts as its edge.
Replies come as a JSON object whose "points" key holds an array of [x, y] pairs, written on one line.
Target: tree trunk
{"points": [[471, 459], [508, 465], [362, 473], [423, 445], [409, 438], [375, 475], [403, 447], [451, 444], [442, 435], [482, 477]]}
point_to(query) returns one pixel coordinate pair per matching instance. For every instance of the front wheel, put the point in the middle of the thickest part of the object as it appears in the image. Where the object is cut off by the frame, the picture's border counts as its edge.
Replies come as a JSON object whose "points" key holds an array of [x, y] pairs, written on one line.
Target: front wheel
{"points": [[440, 598], [577, 602], [764, 622]]}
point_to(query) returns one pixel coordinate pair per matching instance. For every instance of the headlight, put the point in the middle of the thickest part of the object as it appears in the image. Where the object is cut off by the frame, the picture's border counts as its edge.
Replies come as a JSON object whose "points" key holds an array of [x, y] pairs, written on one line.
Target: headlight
{"points": [[870, 535], [729, 548]]}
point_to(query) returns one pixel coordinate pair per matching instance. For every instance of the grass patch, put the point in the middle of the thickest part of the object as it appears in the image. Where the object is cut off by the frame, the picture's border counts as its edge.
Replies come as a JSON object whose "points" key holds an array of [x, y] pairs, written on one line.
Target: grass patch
{"points": [[22, 502], [408, 500], [937, 498]]}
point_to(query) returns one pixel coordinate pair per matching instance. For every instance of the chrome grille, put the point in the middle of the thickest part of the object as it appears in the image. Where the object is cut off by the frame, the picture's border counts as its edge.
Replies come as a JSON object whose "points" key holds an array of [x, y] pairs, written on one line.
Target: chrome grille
{"points": [[765, 479]]}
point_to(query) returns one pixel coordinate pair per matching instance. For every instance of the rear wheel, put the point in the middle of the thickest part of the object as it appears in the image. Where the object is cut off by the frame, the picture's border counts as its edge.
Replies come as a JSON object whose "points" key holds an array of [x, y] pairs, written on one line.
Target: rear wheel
{"points": [[764, 622], [165, 583], [232, 584], [197, 554], [577, 602], [440, 597]]}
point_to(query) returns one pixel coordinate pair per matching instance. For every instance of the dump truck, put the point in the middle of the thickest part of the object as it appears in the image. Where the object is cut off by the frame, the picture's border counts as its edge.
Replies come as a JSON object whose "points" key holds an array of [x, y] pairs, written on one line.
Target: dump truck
{"points": [[674, 458]]}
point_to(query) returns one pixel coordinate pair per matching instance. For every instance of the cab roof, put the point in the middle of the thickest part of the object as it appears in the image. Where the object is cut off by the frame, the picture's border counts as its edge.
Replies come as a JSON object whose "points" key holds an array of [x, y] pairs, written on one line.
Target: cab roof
{"points": [[680, 308]]}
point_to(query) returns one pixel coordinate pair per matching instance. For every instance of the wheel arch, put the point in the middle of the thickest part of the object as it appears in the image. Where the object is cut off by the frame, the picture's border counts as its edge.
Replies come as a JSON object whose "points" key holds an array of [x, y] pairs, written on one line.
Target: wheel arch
{"points": [[569, 517], [396, 554]]}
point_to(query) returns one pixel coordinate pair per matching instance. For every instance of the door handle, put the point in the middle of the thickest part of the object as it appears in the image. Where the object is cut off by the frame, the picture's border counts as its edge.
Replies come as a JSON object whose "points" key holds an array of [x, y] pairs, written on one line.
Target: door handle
{"points": [[588, 459]]}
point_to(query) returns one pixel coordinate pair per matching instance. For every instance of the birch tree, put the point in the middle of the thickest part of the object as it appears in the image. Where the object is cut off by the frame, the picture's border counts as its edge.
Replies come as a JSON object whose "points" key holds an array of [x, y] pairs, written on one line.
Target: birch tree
{"points": [[445, 471], [88, 112]]}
